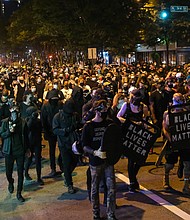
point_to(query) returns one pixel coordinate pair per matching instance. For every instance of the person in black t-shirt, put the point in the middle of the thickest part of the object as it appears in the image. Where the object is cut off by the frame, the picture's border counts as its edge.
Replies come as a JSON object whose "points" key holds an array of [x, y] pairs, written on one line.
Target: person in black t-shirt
{"points": [[135, 111], [91, 138]]}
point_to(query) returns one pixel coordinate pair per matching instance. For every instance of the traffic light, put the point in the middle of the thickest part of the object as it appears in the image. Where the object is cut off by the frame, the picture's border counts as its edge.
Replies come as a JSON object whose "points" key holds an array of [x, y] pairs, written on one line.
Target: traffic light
{"points": [[164, 14]]}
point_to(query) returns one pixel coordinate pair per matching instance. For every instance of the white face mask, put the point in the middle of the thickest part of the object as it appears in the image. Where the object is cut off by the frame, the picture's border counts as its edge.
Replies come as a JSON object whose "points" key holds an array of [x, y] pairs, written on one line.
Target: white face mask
{"points": [[33, 90], [55, 86]]}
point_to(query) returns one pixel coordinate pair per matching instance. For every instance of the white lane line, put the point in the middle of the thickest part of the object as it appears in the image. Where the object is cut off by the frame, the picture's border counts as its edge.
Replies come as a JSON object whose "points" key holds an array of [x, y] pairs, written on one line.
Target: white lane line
{"points": [[157, 199]]}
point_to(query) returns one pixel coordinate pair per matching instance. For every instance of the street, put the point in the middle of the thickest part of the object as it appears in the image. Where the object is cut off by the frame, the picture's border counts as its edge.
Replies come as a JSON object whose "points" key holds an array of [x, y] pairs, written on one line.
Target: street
{"points": [[52, 201]]}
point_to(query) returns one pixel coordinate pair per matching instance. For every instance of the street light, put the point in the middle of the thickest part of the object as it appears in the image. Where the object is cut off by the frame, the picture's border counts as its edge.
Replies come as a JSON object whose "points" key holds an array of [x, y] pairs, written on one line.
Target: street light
{"points": [[164, 16]]}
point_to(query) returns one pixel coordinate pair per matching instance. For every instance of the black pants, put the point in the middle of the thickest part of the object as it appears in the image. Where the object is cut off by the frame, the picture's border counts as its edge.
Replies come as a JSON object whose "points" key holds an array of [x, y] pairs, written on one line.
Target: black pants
{"points": [[159, 125], [37, 152], [52, 148], [69, 160], [9, 165], [133, 169]]}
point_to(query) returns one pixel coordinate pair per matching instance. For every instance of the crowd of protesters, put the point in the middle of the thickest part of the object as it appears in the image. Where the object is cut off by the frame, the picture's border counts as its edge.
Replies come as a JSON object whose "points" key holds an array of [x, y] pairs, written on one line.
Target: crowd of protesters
{"points": [[53, 100]]}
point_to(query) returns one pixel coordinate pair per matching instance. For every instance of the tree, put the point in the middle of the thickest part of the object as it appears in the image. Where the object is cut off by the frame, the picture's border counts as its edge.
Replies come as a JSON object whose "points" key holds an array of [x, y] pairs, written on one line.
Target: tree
{"points": [[76, 25]]}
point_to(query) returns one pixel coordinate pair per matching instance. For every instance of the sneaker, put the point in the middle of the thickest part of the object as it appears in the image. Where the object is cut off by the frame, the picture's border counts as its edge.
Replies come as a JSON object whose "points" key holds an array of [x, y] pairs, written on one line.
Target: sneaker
{"points": [[71, 190], [96, 216], [11, 187], [112, 217], [52, 173], [40, 182], [28, 177], [20, 198], [133, 188]]}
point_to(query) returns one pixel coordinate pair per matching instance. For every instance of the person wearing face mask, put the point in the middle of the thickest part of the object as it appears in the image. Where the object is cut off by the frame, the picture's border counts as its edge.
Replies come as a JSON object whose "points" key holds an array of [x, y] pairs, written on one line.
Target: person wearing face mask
{"points": [[35, 98], [4, 105], [35, 139], [86, 89], [48, 111], [19, 90], [64, 123], [66, 90], [27, 102], [92, 81], [40, 85], [91, 138], [4, 109], [169, 90], [56, 89], [173, 155], [14, 133], [77, 96], [133, 110], [159, 101]]}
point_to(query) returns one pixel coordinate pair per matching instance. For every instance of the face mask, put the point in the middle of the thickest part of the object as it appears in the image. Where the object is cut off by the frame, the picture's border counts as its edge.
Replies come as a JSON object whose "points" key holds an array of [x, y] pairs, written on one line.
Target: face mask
{"points": [[33, 90], [170, 86], [180, 102], [21, 81], [14, 116], [55, 86], [103, 115], [81, 84]]}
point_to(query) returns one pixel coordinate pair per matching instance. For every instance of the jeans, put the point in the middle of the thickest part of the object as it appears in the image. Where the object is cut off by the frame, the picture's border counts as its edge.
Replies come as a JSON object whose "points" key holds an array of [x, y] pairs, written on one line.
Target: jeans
{"points": [[96, 175]]}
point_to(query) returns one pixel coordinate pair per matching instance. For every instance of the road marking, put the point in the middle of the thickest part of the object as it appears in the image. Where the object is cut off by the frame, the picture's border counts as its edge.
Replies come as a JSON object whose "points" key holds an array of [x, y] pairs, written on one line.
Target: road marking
{"points": [[157, 199]]}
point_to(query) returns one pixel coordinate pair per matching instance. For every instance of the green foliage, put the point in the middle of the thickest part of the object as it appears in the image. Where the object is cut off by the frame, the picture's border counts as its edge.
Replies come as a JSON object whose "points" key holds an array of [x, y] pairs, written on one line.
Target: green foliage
{"points": [[79, 24]]}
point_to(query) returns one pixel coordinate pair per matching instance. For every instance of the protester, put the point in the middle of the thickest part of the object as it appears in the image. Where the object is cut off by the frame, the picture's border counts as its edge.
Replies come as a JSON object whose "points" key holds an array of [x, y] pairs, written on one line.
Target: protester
{"points": [[172, 156], [14, 133], [133, 110], [35, 142], [64, 124], [91, 136], [48, 111]]}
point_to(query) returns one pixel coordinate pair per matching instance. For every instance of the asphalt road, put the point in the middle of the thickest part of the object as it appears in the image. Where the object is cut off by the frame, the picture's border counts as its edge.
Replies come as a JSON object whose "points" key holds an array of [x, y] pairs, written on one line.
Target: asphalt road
{"points": [[52, 202]]}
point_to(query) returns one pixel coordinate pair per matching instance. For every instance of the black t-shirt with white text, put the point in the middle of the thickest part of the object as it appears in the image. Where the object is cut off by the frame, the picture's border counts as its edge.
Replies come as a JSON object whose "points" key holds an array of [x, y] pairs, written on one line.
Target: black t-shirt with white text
{"points": [[92, 136]]}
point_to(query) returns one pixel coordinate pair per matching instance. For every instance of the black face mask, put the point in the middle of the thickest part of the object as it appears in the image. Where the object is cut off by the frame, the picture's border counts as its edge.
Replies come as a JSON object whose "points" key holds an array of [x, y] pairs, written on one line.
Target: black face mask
{"points": [[103, 115], [170, 86], [82, 84]]}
